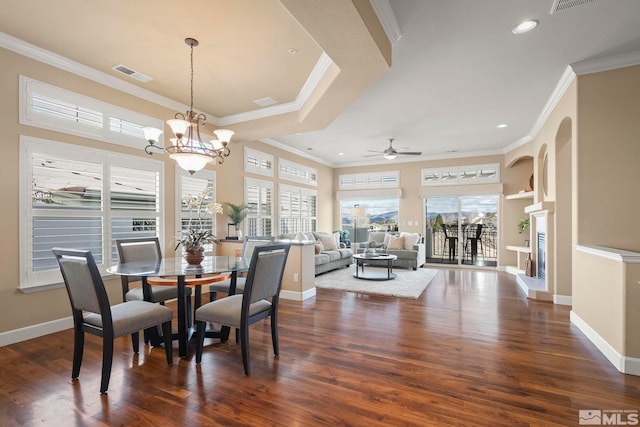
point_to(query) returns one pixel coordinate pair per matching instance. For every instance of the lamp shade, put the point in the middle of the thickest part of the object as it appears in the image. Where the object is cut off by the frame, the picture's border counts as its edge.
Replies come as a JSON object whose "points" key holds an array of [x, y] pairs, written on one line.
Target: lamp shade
{"points": [[191, 162], [151, 133], [224, 135], [179, 127], [358, 212]]}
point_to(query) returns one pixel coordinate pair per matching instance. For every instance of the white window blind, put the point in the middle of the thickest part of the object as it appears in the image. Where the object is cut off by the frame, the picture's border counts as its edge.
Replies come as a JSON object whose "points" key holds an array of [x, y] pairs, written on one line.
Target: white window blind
{"points": [[81, 198], [461, 175], [50, 107], [373, 180], [258, 162], [293, 171], [297, 209], [258, 196], [195, 195]]}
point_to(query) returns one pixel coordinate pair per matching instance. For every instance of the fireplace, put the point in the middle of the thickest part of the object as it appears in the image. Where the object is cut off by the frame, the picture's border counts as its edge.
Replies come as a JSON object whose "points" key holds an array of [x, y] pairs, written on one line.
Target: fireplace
{"points": [[541, 237]]}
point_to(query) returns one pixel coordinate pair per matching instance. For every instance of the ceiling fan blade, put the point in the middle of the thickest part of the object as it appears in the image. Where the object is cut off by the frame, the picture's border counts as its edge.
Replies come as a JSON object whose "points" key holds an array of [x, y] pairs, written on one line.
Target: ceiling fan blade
{"points": [[410, 153], [372, 155], [374, 151]]}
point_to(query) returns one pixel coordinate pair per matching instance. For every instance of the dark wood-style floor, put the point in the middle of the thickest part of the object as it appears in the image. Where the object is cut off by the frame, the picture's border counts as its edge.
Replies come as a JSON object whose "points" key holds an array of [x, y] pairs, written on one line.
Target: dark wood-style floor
{"points": [[470, 351]]}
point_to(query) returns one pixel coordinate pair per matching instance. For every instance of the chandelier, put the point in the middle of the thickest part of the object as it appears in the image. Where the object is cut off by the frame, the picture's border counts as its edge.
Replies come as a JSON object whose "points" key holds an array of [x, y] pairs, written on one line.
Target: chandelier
{"points": [[187, 148]]}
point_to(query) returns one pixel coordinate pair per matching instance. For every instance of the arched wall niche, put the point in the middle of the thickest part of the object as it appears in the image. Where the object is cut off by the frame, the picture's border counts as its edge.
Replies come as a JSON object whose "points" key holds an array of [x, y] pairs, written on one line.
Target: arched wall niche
{"points": [[542, 173], [518, 160]]}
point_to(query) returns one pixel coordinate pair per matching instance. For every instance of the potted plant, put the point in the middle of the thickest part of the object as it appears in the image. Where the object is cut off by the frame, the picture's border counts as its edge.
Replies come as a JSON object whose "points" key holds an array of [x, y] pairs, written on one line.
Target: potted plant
{"points": [[237, 214], [193, 242], [196, 234], [523, 224]]}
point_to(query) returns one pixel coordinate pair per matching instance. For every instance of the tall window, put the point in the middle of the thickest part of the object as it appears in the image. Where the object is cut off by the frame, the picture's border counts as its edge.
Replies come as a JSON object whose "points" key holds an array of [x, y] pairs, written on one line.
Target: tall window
{"points": [[258, 196], [81, 198], [380, 214], [298, 209], [197, 197]]}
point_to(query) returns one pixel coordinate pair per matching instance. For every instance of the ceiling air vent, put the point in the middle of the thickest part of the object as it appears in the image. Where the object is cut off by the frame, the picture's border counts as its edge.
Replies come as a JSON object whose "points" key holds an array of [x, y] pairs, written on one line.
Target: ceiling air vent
{"points": [[265, 102], [132, 73], [560, 5]]}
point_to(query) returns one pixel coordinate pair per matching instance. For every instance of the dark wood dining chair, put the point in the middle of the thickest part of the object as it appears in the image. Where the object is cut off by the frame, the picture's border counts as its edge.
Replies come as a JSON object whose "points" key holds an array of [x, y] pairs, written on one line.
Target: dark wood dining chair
{"points": [[92, 312], [449, 239], [249, 244], [259, 301]]}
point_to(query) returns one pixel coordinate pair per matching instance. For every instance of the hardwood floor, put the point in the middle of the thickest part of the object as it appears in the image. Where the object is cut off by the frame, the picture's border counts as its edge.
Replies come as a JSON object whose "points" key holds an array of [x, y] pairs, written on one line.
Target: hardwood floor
{"points": [[470, 351]]}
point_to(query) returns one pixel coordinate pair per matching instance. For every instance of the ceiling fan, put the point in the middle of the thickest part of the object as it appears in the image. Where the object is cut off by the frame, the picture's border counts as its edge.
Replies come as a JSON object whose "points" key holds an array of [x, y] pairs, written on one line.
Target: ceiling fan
{"points": [[391, 153]]}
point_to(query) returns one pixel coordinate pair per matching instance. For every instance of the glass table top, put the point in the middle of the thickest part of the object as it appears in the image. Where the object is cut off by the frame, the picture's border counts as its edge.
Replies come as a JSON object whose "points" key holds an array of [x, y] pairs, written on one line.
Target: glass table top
{"points": [[179, 267]]}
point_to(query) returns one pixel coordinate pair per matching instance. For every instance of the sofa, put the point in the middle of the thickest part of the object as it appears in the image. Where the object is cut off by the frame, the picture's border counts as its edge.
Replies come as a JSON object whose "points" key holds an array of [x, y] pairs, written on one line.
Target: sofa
{"points": [[408, 247], [330, 253]]}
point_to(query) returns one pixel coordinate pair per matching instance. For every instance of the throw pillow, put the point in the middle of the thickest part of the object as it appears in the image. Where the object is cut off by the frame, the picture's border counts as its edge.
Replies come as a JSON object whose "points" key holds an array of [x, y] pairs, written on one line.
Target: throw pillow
{"points": [[373, 244], [410, 239], [396, 242], [300, 236], [336, 237], [319, 247], [309, 236], [387, 236], [328, 242]]}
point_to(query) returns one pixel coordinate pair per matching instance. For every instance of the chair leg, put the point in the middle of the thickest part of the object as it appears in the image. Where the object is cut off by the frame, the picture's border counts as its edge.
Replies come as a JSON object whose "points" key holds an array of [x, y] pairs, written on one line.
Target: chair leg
{"points": [[200, 332], [274, 333], [135, 340], [107, 360], [212, 296], [78, 349], [166, 334], [244, 345], [189, 324], [237, 335]]}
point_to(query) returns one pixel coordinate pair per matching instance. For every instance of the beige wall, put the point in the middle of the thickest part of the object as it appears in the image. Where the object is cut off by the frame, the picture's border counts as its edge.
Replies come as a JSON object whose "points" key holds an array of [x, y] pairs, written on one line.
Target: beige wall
{"points": [[608, 155], [21, 310]]}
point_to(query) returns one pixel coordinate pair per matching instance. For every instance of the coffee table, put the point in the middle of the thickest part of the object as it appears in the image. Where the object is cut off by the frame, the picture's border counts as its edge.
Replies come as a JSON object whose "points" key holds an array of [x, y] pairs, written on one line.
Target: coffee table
{"points": [[361, 259]]}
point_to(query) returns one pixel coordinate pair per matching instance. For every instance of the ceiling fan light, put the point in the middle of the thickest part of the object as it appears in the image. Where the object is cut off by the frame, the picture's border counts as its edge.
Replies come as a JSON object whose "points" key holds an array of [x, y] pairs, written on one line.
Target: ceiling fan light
{"points": [[390, 156]]}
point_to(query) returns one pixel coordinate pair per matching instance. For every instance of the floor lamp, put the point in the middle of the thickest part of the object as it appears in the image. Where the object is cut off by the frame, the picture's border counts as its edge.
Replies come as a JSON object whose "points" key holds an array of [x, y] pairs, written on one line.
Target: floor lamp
{"points": [[357, 212]]}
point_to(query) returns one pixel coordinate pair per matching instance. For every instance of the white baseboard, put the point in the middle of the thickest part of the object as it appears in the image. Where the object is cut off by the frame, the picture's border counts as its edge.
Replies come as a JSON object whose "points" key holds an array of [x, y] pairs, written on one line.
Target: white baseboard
{"points": [[298, 296], [624, 364], [35, 331], [562, 299]]}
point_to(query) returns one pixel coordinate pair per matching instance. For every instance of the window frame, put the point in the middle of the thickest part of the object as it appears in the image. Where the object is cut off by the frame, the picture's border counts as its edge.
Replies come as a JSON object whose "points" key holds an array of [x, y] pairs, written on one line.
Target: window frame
{"points": [[204, 174], [29, 279], [296, 172], [300, 192], [260, 183], [261, 157], [371, 180], [459, 175]]}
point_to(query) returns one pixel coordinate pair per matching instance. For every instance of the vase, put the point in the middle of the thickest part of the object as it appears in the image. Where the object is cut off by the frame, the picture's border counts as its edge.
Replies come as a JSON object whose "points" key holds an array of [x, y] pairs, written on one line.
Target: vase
{"points": [[194, 257]]}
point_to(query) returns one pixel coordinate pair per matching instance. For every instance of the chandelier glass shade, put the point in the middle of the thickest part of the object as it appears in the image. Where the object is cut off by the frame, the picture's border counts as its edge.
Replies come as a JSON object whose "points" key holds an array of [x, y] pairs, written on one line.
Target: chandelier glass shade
{"points": [[187, 148]]}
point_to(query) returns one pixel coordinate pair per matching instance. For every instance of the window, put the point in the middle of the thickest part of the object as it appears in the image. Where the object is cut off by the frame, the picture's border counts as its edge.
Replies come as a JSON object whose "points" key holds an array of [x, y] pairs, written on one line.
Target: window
{"points": [[258, 162], [258, 196], [380, 214], [57, 109], [462, 175], [197, 196], [388, 179], [82, 198], [298, 209], [292, 171]]}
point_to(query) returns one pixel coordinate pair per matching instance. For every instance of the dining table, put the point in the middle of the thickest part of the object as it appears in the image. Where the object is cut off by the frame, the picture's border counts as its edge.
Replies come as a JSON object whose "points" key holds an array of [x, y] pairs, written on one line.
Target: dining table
{"points": [[179, 268]]}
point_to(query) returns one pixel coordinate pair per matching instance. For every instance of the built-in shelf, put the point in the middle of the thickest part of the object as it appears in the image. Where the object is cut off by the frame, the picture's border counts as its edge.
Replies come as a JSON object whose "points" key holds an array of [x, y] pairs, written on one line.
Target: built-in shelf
{"points": [[523, 195], [521, 249]]}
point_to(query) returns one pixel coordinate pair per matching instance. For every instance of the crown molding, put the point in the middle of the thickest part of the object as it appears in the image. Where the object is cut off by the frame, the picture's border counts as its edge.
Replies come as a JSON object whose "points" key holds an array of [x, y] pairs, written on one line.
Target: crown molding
{"points": [[318, 72], [50, 58], [612, 62], [295, 151], [47, 57], [387, 19], [558, 92]]}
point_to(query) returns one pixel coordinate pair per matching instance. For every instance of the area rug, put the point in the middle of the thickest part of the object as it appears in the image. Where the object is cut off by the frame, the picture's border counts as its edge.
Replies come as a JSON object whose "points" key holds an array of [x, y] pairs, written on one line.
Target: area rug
{"points": [[408, 284]]}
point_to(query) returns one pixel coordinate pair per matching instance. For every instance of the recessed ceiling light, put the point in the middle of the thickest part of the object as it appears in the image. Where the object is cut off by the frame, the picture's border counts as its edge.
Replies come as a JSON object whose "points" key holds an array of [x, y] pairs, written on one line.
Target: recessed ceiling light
{"points": [[525, 27], [340, 154], [503, 125], [293, 51]]}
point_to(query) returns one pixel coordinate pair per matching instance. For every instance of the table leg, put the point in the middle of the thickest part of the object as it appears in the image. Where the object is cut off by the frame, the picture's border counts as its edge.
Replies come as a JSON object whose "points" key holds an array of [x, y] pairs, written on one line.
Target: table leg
{"points": [[152, 335], [183, 338]]}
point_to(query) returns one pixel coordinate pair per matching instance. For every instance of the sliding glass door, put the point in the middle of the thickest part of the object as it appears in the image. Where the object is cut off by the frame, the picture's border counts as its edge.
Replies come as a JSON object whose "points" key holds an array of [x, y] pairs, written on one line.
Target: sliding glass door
{"points": [[462, 230]]}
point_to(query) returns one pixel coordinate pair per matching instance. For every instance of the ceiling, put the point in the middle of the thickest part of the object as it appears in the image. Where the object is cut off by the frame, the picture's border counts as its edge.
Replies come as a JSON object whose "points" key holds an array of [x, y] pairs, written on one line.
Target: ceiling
{"points": [[449, 73]]}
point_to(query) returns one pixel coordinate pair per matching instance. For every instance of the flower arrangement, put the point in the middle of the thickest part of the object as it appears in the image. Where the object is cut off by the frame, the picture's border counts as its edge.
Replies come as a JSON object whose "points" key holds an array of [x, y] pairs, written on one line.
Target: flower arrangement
{"points": [[197, 234]]}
